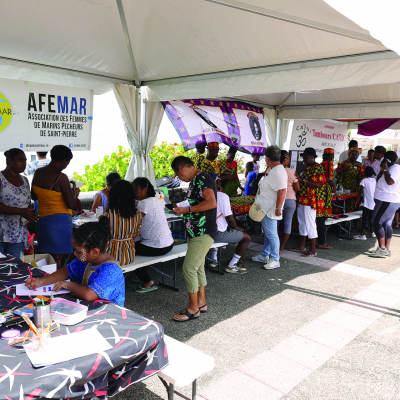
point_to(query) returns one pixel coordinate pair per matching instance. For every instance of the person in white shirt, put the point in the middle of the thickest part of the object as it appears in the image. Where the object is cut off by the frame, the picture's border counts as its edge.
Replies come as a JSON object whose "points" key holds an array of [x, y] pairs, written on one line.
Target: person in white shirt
{"points": [[379, 154], [256, 159], [271, 196], [372, 162], [387, 201], [155, 235], [42, 161], [367, 190], [345, 154], [235, 235]]}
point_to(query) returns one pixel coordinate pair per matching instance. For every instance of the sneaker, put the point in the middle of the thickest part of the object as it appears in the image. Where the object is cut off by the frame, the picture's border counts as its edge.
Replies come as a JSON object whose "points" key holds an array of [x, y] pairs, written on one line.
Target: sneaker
{"points": [[272, 264], [260, 258], [373, 235], [381, 253], [360, 237], [235, 269], [212, 263]]}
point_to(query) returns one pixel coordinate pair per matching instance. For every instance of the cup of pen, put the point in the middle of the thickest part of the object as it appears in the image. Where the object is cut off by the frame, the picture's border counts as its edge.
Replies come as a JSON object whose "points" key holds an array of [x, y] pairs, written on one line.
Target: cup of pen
{"points": [[42, 314]]}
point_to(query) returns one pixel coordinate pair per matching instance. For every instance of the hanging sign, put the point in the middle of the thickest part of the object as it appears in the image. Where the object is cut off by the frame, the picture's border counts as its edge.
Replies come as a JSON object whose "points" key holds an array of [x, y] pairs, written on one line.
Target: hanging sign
{"points": [[232, 123], [36, 117], [318, 134]]}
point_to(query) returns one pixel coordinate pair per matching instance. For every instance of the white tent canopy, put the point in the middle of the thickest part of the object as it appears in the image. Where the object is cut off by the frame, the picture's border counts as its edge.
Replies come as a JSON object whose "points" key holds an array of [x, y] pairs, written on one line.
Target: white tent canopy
{"points": [[301, 58]]}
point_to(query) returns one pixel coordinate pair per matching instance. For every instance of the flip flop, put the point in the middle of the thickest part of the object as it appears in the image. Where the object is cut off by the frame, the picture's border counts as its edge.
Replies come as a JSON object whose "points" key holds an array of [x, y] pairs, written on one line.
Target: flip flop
{"points": [[298, 248], [309, 254], [203, 311], [191, 317], [145, 290]]}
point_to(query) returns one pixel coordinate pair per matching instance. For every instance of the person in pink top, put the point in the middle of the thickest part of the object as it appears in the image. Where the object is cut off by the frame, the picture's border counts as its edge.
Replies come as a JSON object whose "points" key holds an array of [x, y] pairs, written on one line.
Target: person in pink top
{"points": [[290, 202]]}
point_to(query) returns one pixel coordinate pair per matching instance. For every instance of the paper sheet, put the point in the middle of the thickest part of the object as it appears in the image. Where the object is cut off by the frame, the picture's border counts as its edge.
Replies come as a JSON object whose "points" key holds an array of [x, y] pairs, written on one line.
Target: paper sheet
{"points": [[49, 268], [47, 290], [41, 263], [67, 347]]}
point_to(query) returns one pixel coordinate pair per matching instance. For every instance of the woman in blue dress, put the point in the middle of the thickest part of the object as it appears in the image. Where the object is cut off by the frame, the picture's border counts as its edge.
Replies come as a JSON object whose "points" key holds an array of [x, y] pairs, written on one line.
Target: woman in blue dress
{"points": [[94, 274]]}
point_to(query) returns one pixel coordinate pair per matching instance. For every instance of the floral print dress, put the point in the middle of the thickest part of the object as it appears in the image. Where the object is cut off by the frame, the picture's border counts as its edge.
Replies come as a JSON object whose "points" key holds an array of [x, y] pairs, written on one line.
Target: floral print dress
{"points": [[11, 226]]}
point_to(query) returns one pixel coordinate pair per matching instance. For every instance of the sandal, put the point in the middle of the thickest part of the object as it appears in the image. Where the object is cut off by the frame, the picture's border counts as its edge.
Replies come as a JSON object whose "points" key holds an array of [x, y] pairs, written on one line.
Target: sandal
{"points": [[309, 254], [327, 247], [141, 289], [203, 311], [191, 317], [298, 248]]}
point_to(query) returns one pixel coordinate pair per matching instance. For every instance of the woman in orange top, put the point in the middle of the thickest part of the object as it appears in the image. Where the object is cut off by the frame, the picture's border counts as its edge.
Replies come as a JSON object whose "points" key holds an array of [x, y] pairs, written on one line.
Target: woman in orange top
{"points": [[125, 222], [56, 200]]}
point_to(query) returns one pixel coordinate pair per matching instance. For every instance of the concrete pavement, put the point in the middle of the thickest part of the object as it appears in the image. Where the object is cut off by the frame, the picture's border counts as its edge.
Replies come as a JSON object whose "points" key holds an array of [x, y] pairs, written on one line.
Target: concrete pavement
{"points": [[316, 328]]}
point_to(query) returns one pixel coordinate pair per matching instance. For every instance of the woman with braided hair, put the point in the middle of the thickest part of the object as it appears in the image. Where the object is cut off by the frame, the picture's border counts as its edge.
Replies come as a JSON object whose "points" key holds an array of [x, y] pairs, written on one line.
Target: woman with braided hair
{"points": [[94, 274]]}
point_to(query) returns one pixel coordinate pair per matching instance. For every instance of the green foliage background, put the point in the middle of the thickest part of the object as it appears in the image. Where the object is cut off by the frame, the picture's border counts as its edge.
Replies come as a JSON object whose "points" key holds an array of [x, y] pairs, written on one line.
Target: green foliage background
{"points": [[161, 155]]}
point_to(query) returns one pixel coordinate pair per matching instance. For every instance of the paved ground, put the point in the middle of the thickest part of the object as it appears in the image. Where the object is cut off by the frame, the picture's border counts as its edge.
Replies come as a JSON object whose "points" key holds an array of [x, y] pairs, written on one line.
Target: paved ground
{"points": [[320, 328]]}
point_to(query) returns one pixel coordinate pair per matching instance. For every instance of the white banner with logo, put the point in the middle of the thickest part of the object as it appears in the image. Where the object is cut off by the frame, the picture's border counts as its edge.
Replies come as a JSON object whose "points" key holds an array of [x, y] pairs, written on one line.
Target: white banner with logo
{"points": [[36, 117], [318, 134]]}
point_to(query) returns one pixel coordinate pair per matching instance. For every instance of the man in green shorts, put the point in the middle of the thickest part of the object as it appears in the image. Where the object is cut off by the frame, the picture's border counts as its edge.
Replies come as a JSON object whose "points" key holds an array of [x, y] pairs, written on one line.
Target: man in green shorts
{"points": [[200, 217]]}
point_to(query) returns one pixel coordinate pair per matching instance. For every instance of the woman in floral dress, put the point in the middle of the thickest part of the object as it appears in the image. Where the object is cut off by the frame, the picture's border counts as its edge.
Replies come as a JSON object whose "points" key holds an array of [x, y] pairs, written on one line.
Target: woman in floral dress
{"points": [[349, 174], [15, 197]]}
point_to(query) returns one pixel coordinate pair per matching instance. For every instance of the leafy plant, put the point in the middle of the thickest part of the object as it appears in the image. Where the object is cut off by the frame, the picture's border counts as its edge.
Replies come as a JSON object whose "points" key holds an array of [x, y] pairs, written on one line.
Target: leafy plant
{"points": [[161, 156], [95, 176]]}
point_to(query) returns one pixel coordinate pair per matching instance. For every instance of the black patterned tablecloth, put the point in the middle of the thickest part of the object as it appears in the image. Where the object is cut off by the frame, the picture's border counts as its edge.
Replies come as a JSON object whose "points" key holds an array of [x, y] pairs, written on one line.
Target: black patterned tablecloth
{"points": [[138, 350]]}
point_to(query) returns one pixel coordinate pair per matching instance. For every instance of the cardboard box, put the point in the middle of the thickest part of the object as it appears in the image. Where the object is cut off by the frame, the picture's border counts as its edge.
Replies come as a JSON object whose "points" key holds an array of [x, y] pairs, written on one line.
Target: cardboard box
{"points": [[38, 257]]}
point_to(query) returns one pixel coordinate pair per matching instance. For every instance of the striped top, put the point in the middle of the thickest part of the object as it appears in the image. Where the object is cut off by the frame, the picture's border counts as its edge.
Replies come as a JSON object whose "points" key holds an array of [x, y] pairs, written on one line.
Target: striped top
{"points": [[123, 231]]}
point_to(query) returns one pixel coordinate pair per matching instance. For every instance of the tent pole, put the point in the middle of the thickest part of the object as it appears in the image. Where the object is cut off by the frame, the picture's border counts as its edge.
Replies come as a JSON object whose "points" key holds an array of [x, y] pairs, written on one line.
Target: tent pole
{"points": [[128, 41]]}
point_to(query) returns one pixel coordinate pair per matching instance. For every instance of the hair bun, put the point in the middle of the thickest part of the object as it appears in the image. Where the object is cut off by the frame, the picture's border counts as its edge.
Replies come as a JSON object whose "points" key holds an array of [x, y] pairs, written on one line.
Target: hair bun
{"points": [[6, 153], [104, 223]]}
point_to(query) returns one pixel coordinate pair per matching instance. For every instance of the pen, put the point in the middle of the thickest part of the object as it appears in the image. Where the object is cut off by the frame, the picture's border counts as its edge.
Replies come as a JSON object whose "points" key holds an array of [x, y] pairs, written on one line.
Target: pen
{"points": [[30, 273], [11, 284]]}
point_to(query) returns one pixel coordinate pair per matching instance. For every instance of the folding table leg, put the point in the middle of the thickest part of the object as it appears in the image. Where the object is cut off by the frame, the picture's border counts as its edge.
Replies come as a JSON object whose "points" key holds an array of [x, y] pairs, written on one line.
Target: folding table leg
{"points": [[194, 389], [171, 392]]}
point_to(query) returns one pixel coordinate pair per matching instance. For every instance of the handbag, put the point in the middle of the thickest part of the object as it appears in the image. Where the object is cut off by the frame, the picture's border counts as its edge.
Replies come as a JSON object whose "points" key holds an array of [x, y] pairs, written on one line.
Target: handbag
{"points": [[256, 212]]}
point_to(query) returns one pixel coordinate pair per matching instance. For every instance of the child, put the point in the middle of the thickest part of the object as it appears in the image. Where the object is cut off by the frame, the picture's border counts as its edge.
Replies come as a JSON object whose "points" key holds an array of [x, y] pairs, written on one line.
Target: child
{"points": [[101, 197], [256, 158], [367, 187], [250, 179], [94, 273]]}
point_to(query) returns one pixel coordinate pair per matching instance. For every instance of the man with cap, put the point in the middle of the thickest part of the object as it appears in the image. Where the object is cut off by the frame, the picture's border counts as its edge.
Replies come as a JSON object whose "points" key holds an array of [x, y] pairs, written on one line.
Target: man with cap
{"points": [[310, 200], [327, 189], [199, 156]]}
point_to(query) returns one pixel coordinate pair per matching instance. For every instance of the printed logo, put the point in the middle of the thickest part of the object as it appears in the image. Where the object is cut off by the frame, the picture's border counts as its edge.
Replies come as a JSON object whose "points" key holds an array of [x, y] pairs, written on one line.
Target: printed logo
{"points": [[5, 112]]}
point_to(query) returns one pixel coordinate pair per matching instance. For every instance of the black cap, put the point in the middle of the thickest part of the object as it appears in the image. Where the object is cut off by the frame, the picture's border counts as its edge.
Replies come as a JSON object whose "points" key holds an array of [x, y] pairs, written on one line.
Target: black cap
{"points": [[310, 151]]}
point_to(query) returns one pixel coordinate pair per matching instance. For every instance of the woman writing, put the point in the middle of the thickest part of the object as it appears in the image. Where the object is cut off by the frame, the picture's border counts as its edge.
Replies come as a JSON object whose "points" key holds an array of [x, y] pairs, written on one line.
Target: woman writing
{"points": [[125, 222], [94, 274], [15, 197], [155, 235], [350, 173], [293, 186], [56, 201], [101, 197]]}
